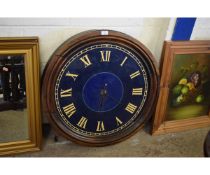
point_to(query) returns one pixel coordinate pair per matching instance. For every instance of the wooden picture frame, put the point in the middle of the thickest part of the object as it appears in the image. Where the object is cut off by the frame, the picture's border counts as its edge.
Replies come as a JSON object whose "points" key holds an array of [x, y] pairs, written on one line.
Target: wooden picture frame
{"points": [[161, 124], [28, 47]]}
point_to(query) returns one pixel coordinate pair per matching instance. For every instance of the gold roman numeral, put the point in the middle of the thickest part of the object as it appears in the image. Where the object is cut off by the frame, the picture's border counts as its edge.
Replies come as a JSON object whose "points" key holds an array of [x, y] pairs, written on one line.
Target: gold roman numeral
{"points": [[135, 74], [131, 108], [86, 61], [100, 126], [105, 56], [82, 122], [123, 61], [74, 76], [137, 91], [69, 110], [66, 93], [119, 122]]}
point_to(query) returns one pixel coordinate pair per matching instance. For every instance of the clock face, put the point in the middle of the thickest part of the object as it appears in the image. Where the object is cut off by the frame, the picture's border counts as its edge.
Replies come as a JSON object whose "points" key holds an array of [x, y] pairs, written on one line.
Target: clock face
{"points": [[101, 89]]}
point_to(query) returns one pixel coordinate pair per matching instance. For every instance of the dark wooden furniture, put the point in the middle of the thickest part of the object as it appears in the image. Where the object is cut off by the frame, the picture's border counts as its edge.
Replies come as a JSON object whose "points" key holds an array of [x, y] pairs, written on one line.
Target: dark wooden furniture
{"points": [[12, 82], [207, 145]]}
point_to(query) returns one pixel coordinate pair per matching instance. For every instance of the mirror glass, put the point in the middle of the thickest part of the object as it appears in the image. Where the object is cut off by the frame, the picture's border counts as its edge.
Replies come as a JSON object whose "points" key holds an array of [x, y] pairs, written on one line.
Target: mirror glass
{"points": [[13, 106]]}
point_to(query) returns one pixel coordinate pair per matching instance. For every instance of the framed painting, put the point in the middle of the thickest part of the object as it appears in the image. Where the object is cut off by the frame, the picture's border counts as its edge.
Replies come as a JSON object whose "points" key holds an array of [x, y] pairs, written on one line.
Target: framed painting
{"points": [[20, 123], [184, 99]]}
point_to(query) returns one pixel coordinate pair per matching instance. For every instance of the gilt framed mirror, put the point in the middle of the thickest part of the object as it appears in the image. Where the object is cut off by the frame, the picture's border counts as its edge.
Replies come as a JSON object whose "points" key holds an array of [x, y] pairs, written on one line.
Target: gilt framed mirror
{"points": [[20, 123]]}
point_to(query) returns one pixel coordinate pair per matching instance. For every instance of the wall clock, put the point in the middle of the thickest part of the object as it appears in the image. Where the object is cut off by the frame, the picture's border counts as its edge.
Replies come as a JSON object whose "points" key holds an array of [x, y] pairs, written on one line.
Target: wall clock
{"points": [[99, 87]]}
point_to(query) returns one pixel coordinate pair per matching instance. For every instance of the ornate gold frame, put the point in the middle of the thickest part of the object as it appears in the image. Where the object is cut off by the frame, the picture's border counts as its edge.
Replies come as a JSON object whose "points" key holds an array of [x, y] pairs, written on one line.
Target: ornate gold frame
{"points": [[29, 47]]}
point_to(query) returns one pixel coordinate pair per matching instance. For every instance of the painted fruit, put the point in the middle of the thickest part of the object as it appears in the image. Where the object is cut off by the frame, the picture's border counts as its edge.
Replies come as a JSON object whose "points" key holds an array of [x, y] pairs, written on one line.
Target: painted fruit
{"points": [[185, 90], [199, 98], [190, 86], [180, 99], [177, 89], [183, 81], [195, 78]]}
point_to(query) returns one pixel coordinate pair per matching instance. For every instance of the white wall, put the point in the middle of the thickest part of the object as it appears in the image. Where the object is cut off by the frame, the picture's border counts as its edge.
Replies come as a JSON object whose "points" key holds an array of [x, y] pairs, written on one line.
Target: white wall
{"points": [[54, 31], [201, 30]]}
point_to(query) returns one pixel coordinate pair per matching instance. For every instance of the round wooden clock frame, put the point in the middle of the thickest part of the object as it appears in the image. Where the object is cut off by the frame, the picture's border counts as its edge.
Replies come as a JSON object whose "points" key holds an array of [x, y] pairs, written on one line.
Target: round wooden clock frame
{"points": [[69, 48]]}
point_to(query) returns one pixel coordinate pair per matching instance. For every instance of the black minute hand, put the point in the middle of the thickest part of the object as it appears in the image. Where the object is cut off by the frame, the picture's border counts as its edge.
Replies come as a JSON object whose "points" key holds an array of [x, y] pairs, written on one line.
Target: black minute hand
{"points": [[103, 94]]}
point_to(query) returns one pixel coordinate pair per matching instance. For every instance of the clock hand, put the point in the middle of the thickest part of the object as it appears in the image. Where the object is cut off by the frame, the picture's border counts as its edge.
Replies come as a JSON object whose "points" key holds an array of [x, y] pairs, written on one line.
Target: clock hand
{"points": [[103, 94], [102, 102], [110, 95]]}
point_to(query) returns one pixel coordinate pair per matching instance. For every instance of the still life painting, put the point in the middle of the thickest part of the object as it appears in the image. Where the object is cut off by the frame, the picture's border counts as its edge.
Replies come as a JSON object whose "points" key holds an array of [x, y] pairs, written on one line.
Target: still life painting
{"points": [[183, 102], [189, 87]]}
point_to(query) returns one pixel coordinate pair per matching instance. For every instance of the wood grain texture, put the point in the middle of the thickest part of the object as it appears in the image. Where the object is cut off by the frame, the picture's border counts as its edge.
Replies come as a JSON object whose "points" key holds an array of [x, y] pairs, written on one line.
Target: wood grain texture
{"points": [[171, 48], [69, 48]]}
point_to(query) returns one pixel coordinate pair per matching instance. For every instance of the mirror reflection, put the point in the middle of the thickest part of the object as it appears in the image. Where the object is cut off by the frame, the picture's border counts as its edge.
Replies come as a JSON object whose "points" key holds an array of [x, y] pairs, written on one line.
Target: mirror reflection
{"points": [[13, 110]]}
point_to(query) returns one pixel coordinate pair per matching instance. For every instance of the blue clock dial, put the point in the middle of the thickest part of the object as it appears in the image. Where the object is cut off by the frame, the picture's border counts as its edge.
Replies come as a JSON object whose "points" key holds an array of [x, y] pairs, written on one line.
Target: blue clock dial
{"points": [[103, 92], [101, 89]]}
